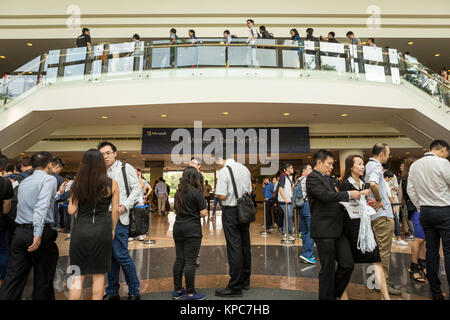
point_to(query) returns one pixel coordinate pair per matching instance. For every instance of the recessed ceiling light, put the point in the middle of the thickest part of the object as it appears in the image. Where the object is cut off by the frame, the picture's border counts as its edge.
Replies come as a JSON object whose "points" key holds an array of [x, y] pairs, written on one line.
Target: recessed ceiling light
{"points": [[29, 44], [225, 113], [164, 116], [344, 114], [286, 114], [363, 42], [2, 57], [104, 117], [437, 54], [22, 153], [411, 42], [309, 157], [407, 152], [124, 152]]}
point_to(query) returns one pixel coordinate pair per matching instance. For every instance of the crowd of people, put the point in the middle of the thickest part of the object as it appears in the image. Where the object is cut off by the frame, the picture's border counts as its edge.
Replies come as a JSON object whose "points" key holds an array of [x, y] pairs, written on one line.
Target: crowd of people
{"points": [[348, 220]]}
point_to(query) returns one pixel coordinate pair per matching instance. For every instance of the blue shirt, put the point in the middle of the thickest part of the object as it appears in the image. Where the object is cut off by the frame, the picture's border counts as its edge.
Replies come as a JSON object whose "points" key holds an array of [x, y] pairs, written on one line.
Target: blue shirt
{"points": [[35, 200], [374, 173], [267, 191]]}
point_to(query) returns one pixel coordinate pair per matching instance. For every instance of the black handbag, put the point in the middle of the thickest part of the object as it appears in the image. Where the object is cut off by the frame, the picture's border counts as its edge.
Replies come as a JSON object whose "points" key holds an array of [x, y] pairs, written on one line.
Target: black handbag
{"points": [[139, 216], [245, 207]]}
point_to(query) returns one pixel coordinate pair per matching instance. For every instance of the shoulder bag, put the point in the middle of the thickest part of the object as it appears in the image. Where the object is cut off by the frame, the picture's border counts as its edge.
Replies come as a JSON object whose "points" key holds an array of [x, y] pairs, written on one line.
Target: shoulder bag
{"points": [[245, 207]]}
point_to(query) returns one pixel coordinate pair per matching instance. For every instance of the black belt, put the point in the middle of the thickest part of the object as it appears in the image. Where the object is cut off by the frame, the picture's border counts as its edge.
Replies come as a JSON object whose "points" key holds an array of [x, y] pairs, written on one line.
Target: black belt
{"points": [[229, 206]]}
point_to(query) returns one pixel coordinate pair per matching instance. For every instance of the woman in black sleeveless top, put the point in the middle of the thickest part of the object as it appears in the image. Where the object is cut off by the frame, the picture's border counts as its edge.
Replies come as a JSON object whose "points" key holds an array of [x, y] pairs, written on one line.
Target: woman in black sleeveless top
{"points": [[352, 180], [92, 195]]}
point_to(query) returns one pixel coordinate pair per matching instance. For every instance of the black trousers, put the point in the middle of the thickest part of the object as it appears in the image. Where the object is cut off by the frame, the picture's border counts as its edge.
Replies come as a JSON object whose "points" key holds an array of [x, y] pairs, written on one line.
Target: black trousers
{"points": [[268, 205], [435, 222], [186, 251], [238, 248], [208, 202], [332, 280], [278, 215], [43, 260]]}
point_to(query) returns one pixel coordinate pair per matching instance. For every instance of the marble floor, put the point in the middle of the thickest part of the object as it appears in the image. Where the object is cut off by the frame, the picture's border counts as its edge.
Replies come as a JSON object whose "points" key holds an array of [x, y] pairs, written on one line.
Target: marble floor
{"points": [[275, 266]]}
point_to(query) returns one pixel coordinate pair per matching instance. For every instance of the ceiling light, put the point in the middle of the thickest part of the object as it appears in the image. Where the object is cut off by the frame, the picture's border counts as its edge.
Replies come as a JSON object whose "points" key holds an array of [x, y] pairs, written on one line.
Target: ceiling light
{"points": [[363, 42], [437, 54], [286, 114], [407, 152], [344, 114], [134, 156], [22, 153], [411, 42], [29, 44], [124, 152], [225, 113], [104, 117], [2, 57], [164, 116]]}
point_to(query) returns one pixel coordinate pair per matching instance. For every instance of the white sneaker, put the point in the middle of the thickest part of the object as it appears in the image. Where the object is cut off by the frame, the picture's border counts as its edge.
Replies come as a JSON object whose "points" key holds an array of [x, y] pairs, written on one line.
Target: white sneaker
{"points": [[141, 238], [130, 239], [402, 243]]}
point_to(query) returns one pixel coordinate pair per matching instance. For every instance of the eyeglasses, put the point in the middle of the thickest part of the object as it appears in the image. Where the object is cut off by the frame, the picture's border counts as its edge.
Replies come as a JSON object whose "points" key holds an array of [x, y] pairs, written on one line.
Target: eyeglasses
{"points": [[108, 153]]}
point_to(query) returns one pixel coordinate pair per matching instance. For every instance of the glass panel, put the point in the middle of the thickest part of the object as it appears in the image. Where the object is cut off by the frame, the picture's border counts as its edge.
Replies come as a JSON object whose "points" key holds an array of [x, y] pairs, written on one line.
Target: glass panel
{"points": [[333, 64], [373, 53], [187, 56], [98, 50], [239, 56], [331, 47], [291, 58], [395, 74], [52, 74], [32, 66], [309, 45], [74, 72], [161, 57], [76, 54], [96, 69], [121, 65], [121, 47], [374, 73], [310, 61], [19, 84], [52, 58], [266, 57], [211, 56]]}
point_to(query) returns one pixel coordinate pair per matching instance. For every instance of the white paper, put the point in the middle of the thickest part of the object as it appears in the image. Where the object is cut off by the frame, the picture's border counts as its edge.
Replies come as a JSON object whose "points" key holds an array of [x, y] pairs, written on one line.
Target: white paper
{"points": [[393, 58], [373, 53], [331, 47], [353, 209], [309, 45]]}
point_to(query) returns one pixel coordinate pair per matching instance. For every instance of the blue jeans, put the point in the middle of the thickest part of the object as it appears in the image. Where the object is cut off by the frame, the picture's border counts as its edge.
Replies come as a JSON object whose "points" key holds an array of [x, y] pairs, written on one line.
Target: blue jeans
{"points": [[305, 223], [215, 205], [397, 225], [290, 216], [121, 258]]}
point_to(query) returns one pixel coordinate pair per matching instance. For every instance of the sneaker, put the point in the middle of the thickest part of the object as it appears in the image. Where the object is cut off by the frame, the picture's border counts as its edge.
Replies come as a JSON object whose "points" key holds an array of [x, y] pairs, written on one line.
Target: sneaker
{"points": [[195, 296], [130, 239], [283, 237], [394, 291], [402, 243], [410, 238], [308, 260], [275, 225], [178, 294], [291, 238], [141, 238]]}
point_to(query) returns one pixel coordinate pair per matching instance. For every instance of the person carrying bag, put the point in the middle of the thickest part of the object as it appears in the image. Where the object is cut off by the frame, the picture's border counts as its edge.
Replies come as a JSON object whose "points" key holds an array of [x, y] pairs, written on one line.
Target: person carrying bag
{"points": [[245, 207]]}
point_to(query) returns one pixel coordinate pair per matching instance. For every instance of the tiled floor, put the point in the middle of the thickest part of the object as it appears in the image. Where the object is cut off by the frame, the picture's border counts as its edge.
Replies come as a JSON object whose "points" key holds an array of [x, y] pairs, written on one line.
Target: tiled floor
{"points": [[274, 266]]}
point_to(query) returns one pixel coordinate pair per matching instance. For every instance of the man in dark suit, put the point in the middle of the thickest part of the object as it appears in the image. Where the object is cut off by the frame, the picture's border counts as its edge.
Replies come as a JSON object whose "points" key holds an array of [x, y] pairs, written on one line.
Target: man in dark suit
{"points": [[327, 220]]}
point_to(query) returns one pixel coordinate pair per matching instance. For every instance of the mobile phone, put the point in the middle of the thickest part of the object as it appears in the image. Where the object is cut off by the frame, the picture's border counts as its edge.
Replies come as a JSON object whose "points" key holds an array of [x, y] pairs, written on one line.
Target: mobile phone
{"points": [[366, 186]]}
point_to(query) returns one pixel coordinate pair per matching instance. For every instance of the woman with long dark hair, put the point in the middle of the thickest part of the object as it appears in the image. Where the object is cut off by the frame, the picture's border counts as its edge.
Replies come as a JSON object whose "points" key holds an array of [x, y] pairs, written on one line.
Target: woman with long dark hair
{"points": [[90, 250], [416, 269], [353, 180], [189, 206]]}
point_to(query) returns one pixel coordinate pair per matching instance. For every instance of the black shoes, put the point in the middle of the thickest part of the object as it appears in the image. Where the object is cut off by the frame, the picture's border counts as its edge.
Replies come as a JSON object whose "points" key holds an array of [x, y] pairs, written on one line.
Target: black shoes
{"points": [[246, 288], [227, 292], [108, 296], [134, 297]]}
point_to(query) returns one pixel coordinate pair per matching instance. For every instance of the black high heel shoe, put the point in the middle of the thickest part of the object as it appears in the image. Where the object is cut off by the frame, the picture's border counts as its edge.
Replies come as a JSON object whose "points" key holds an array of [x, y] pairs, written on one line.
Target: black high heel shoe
{"points": [[414, 269], [422, 266]]}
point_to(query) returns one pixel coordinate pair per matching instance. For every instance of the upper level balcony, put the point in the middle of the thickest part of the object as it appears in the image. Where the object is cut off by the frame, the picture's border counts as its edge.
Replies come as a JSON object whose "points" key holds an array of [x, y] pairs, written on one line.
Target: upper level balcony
{"points": [[139, 74]]}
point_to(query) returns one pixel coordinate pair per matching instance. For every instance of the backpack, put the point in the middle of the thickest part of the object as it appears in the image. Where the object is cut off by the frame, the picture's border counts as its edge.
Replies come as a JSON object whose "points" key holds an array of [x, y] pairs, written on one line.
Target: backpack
{"points": [[297, 196], [268, 35]]}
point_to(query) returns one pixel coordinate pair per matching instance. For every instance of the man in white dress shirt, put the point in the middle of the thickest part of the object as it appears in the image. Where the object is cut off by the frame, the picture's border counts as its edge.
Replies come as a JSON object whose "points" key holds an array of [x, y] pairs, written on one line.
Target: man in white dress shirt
{"points": [[237, 235], [429, 190]]}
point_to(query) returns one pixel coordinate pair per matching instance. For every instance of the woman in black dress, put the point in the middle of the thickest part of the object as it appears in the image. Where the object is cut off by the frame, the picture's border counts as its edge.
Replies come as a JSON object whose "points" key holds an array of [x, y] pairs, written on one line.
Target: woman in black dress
{"points": [[352, 180], [189, 206], [92, 195]]}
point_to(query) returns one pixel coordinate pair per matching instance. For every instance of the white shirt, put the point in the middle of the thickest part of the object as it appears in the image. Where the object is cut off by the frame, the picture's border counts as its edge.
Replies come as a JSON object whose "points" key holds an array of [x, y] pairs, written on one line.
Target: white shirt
{"points": [[134, 186], [252, 35], [224, 185], [161, 188], [429, 181]]}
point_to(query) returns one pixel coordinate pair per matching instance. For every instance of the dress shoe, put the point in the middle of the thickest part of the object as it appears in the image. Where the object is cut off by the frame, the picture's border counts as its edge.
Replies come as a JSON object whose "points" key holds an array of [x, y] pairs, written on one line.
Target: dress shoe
{"points": [[227, 292], [134, 297], [246, 288], [111, 297]]}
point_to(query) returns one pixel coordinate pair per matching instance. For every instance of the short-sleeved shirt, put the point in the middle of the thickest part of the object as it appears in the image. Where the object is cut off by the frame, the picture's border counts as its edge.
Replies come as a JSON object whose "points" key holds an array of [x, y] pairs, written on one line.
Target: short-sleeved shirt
{"points": [[187, 223], [286, 183], [374, 173], [356, 40], [224, 186], [6, 191], [83, 40]]}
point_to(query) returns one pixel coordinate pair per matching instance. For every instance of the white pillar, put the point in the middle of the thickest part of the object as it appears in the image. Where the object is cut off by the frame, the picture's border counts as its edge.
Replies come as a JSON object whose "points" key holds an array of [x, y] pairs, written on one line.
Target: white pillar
{"points": [[343, 154]]}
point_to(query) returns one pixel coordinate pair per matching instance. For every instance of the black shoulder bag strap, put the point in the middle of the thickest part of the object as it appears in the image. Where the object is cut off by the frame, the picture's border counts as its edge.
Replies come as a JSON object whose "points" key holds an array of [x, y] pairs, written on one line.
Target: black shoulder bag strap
{"points": [[125, 179], [234, 183]]}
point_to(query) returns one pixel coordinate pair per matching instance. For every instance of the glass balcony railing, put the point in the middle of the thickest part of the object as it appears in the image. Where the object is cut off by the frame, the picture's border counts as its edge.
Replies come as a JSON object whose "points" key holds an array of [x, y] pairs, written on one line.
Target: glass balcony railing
{"points": [[139, 60]]}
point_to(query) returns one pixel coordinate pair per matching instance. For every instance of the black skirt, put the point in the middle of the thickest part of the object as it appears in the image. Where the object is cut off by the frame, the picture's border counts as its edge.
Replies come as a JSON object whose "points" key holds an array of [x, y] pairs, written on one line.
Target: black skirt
{"points": [[351, 229]]}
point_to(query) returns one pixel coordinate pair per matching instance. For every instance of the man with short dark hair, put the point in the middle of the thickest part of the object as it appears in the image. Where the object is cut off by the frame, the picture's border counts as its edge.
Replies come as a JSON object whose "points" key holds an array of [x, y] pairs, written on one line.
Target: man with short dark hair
{"points": [[371, 42], [84, 40], [355, 40], [237, 235], [267, 192], [429, 190], [383, 220], [33, 244], [26, 167], [162, 194], [327, 227], [127, 198], [309, 35], [57, 166], [252, 32]]}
